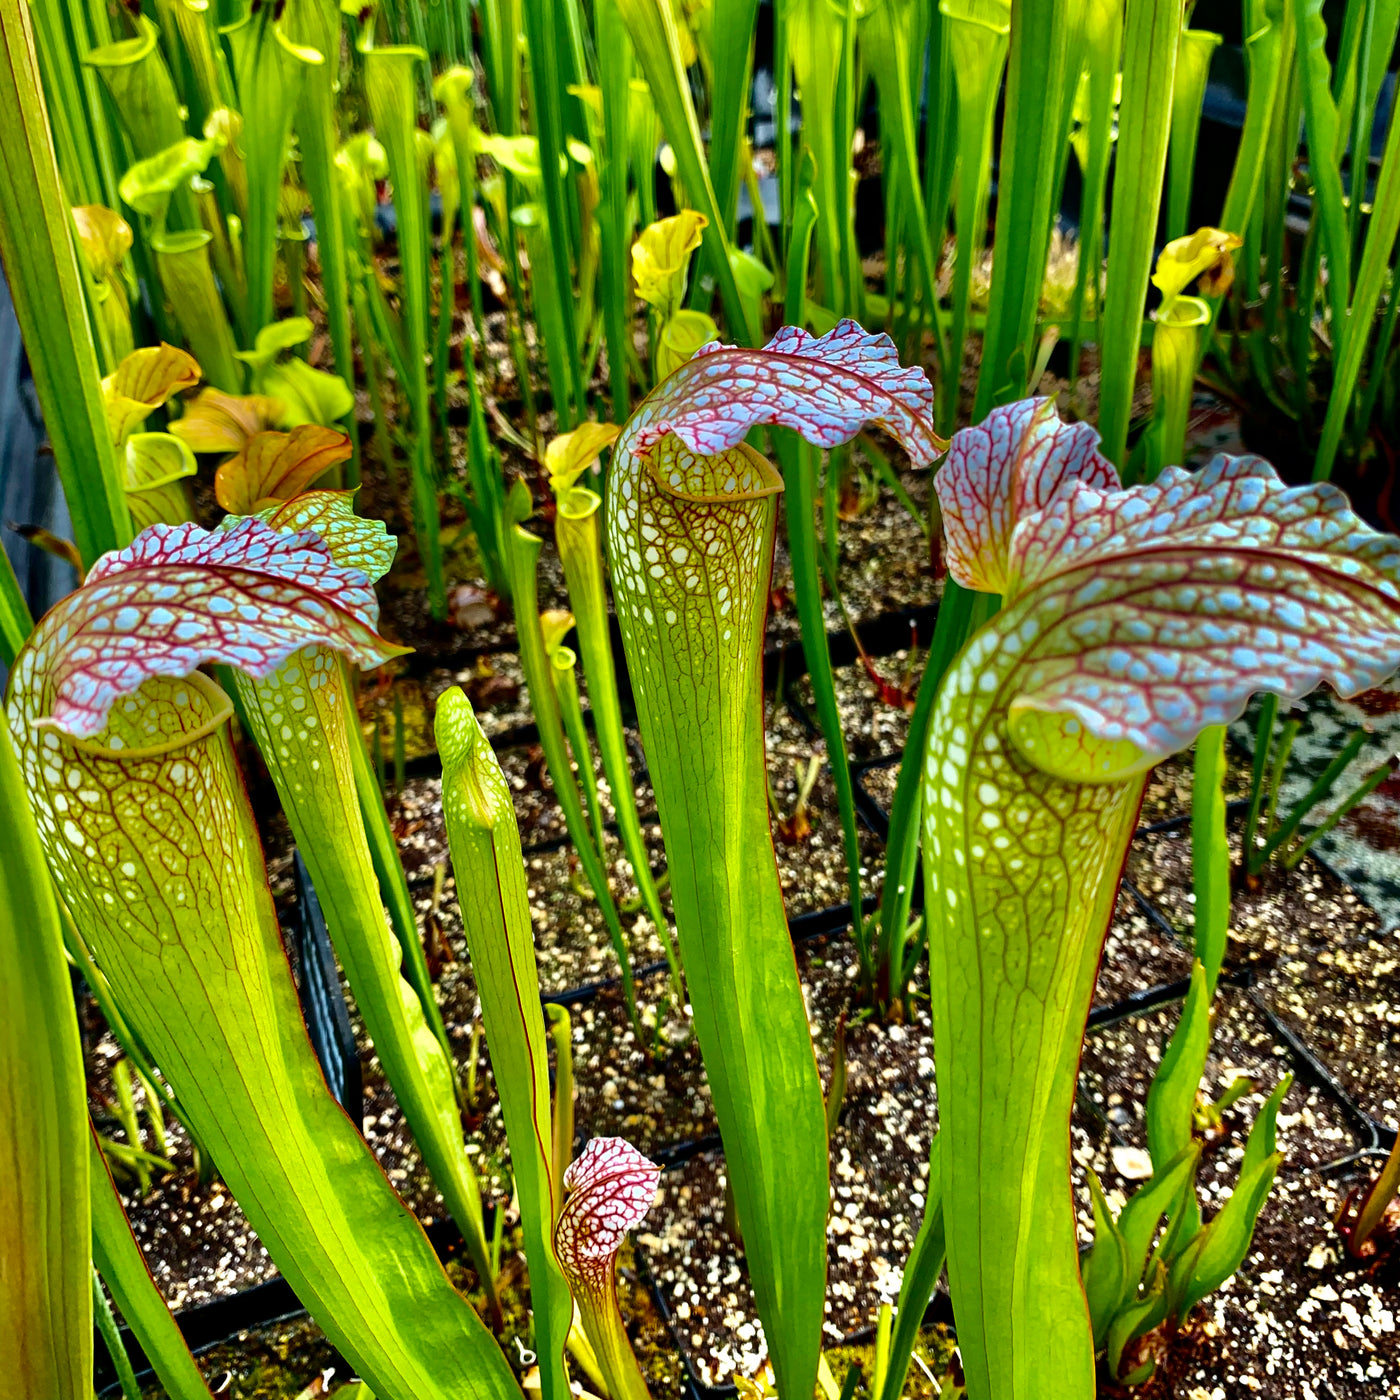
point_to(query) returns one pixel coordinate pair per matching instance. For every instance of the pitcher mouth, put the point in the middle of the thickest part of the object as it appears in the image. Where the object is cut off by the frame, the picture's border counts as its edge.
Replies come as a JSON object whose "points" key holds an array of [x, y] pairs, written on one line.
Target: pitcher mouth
{"points": [[220, 707]]}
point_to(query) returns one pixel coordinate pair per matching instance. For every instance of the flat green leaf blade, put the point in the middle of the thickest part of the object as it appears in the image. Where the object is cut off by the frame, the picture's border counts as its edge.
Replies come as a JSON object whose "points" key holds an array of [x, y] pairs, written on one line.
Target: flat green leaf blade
{"points": [[120, 1262], [36, 248], [45, 1293], [1150, 43], [490, 878], [921, 1271], [652, 29]]}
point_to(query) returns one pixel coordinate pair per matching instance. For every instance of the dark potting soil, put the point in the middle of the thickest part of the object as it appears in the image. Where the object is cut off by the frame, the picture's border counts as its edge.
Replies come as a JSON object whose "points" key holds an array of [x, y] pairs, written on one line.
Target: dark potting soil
{"points": [[1345, 1002], [1286, 914]]}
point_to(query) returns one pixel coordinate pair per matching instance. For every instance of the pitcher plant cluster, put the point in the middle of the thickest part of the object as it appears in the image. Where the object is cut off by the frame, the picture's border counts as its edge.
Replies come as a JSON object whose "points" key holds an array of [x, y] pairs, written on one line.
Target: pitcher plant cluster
{"points": [[523, 340]]}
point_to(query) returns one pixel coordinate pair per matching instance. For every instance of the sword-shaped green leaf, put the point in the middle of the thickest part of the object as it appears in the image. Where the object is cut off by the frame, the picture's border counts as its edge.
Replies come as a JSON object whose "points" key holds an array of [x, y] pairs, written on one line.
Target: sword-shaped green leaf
{"points": [[45, 1293]]}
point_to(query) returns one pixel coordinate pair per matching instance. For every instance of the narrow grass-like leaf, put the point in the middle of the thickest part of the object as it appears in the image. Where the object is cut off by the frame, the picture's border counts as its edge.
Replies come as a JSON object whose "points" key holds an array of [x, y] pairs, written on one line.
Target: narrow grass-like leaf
{"points": [[1353, 335], [976, 33], [1324, 158], [576, 534], [1188, 96], [490, 877], [390, 83], [652, 28], [123, 1268], [1134, 619], [46, 1302], [315, 24], [269, 71], [1151, 38], [1041, 72], [36, 248], [921, 1271], [1210, 854], [124, 750], [732, 29], [522, 555]]}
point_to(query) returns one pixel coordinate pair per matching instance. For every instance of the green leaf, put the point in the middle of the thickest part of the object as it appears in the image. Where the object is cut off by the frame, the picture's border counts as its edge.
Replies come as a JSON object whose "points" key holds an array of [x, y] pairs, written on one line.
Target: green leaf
{"points": [[36, 247], [731, 59], [1171, 1185], [1133, 619], [690, 526], [1172, 1097], [46, 1303], [1210, 854], [143, 95], [1150, 44], [156, 465], [391, 84], [651, 25], [1041, 76], [577, 537], [1188, 96], [269, 71], [123, 1267], [490, 879], [522, 550], [1324, 162], [976, 33], [187, 276], [1104, 1268], [1221, 1246], [921, 1271], [1354, 333]]}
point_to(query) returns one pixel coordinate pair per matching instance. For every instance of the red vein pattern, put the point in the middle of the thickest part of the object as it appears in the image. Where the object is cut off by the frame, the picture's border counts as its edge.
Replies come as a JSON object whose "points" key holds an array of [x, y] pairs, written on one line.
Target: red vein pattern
{"points": [[354, 542], [608, 1191], [180, 596], [1153, 612], [826, 387], [997, 473], [1133, 619]]}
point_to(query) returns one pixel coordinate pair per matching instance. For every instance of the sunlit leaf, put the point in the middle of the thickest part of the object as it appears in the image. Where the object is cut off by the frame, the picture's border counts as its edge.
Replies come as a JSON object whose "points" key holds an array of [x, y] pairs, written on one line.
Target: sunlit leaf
{"points": [[214, 421], [149, 185], [691, 515], [1207, 251], [681, 337], [354, 541], [661, 260], [827, 388], [491, 889], [569, 455], [104, 236], [1132, 620], [278, 466], [153, 466], [143, 381], [1012, 463]]}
